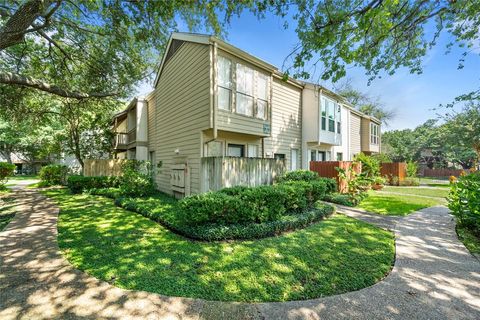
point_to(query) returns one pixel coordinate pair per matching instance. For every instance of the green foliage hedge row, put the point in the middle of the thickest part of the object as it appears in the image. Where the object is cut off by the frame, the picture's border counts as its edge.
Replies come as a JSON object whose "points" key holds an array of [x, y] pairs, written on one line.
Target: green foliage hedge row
{"points": [[257, 204], [53, 174], [219, 231], [78, 184], [464, 201], [345, 199], [6, 170]]}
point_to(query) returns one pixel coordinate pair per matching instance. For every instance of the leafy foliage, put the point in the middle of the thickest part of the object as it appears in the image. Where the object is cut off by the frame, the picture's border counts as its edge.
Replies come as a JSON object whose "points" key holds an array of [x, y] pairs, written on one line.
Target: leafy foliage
{"points": [[53, 174], [298, 175], [78, 184], [464, 201], [137, 179], [6, 170], [412, 168]]}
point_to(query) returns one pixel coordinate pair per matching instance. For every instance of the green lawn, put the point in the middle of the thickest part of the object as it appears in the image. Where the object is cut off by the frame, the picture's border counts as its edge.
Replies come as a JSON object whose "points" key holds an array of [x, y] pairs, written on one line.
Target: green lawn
{"points": [[23, 177], [7, 209], [337, 255], [396, 205], [428, 192]]}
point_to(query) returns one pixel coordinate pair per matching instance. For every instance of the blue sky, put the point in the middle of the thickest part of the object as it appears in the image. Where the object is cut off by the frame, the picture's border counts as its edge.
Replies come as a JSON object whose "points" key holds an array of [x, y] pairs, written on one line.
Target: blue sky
{"points": [[411, 96]]}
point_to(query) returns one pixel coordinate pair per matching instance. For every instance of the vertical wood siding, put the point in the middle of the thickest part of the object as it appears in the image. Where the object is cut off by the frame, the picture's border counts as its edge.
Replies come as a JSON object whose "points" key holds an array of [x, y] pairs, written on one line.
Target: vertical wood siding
{"points": [[355, 134]]}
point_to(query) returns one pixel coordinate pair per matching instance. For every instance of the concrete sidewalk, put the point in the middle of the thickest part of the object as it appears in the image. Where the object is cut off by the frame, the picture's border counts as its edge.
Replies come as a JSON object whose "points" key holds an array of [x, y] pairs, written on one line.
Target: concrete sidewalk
{"points": [[434, 277]]}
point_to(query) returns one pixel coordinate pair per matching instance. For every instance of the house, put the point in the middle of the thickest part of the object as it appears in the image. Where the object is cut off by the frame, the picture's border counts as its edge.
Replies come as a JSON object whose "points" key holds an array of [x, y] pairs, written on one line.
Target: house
{"points": [[212, 99]]}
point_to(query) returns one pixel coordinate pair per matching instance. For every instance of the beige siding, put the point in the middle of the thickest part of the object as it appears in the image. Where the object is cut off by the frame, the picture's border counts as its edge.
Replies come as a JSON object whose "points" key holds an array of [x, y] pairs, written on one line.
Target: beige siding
{"points": [[182, 106], [286, 121], [355, 133], [366, 145], [239, 123], [151, 123]]}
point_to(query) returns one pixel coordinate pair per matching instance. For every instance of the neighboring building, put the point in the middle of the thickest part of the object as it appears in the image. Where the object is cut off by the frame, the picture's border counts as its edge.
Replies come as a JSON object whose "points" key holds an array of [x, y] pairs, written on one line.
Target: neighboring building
{"points": [[214, 100]]}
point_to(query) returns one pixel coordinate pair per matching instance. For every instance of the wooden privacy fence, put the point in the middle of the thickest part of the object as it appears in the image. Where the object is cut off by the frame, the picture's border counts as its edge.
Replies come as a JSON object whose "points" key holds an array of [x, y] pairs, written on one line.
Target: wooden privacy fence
{"points": [[442, 172], [222, 172], [102, 167], [328, 169], [394, 169]]}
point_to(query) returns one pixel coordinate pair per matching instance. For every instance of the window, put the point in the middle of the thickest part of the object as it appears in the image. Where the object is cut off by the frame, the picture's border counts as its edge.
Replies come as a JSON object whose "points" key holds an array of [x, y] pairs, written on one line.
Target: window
{"points": [[279, 156], [322, 156], [236, 150], [252, 151], [262, 96], [224, 83], [324, 114], [294, 159], [214, 149], [374, 133], [338, 117], [313, 155], [331, 116], [339, 156], [244, 90]]}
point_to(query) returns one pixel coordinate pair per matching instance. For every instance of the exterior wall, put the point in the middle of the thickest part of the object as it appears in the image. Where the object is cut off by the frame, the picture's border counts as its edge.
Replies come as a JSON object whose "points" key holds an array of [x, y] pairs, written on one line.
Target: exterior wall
{"points": [[355, 134], [366, 145], [131, 119], [286, 122], [151, 123], [122, 126], [181, 111], [344, 148], [227, 137]]}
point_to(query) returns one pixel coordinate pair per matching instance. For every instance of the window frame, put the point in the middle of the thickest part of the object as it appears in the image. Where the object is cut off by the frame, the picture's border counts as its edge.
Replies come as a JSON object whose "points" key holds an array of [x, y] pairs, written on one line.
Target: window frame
{"points": [[235, 145], [374, 133]]}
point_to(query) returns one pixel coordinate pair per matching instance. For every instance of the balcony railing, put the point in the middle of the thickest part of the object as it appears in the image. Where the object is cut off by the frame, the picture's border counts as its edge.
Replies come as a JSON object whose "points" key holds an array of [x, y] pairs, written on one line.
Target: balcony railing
{"points": [[121, 140]]}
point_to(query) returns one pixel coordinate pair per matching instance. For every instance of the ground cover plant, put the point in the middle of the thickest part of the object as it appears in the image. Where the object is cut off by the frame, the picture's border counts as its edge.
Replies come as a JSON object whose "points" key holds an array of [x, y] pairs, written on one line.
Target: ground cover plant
{"points": [[464, 202], [396, 205], [338, 255]]}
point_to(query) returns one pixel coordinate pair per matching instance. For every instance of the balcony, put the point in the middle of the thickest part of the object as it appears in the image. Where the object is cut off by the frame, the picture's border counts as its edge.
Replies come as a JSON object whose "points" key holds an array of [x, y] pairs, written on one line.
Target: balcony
{"points": [[120, 141]]}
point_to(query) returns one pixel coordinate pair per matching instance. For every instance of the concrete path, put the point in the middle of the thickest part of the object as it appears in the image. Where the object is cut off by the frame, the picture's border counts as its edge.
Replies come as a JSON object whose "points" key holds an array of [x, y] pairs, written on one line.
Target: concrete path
{"points": [[434, 278], [382, 221]]}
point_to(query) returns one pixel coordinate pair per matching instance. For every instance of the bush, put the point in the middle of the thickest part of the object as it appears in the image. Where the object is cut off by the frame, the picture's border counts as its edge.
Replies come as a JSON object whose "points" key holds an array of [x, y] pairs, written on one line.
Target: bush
{"points": [[412, 169], [6, 170], [298, 175], [348, 200], [464, 201], [78, 184], [370, 165], [53, 174], [410, 181], [112, 193], [137, 179]]}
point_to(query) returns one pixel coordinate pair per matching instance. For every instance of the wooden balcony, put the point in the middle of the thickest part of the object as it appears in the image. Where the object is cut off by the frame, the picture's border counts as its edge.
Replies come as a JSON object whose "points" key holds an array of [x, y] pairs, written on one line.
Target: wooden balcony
{"points": [[120, 141]]}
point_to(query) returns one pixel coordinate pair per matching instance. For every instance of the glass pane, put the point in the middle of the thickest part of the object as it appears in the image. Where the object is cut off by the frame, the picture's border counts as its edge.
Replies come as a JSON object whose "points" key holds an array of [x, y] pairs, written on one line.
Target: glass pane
{"points": [[313, 155], [244, 104], [324, 107], [224, 72], [235, 150], [339, 130], [223, 98], [294, 159], [324, 123], [262, 87], [252, 151], [331, 110], [244, 79], [331, 125], [262, 109]]}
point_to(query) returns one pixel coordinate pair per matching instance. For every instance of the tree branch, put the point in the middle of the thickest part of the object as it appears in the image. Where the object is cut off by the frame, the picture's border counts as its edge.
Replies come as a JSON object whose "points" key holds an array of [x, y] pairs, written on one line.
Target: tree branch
{"points": [[17, 79]]}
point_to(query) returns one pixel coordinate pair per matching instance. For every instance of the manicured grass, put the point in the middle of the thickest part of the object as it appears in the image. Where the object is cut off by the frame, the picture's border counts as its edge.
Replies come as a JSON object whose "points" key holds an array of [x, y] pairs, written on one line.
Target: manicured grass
{"points": [[7, 209], [396, 205], [337, 255], [23, 177], [428, 192], [469, 239]]}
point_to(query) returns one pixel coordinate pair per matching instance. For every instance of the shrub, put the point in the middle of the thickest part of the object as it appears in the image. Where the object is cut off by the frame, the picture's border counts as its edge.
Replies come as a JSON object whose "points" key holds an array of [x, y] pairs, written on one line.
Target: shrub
{"points": [[112, 193], [412, 169], [53, 174], [234, 191], [78, 184], [345, 199], [464, 201], [6, 170], [298, 175], [410, 181], [137, 179], [370, 165]]}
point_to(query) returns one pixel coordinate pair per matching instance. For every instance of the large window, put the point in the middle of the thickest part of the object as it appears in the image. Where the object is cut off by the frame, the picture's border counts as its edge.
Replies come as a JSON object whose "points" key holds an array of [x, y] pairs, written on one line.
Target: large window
{"points": [[236, 150], [248, 89], [224, 83], [262, 96], [330, 115], [252, 151], [374, 133]]}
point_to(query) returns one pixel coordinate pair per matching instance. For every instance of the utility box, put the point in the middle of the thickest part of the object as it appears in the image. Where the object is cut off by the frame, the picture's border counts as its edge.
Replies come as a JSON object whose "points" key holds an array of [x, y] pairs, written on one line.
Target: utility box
{"points": [[180, 180]]}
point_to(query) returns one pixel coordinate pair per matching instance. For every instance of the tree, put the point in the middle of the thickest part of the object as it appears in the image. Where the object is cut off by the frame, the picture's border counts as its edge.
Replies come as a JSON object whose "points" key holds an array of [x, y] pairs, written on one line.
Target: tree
{"points": [[378, 35], [42, 42], [365, 103]]}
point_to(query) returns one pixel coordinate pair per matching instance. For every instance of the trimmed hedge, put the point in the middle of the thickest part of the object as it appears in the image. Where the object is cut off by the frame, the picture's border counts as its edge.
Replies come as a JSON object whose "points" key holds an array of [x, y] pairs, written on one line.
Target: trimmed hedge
{"points": [[105, 192], [78, 184], [257, 204], [53, 174], [345, 199], [239, 231]]}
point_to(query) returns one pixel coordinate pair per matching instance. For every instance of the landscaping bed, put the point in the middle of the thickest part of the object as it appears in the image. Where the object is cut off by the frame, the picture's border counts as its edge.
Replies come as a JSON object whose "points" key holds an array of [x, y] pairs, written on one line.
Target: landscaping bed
{"points": [[338, 255]]}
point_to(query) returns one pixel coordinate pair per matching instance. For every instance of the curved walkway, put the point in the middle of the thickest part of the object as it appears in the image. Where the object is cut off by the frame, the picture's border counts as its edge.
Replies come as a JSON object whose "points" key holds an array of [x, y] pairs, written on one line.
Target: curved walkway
{"points": [[434, 277]]}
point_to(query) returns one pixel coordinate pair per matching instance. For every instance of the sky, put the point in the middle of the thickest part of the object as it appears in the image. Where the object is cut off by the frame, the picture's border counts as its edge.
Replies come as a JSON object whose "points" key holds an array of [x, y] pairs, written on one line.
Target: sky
{"points": [[413, 97]]}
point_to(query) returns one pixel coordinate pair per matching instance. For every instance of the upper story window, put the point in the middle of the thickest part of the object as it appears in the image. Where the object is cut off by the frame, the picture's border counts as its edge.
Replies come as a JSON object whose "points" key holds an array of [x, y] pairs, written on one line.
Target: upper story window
{"points": [[242, 89], [224, 83], [374, 133], [331, 115]]}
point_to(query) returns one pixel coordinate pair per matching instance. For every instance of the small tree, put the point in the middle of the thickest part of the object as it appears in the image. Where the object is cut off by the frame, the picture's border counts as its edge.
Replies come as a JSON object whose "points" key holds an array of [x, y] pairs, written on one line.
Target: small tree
{"points": [[412, 169], [6, 170]]}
